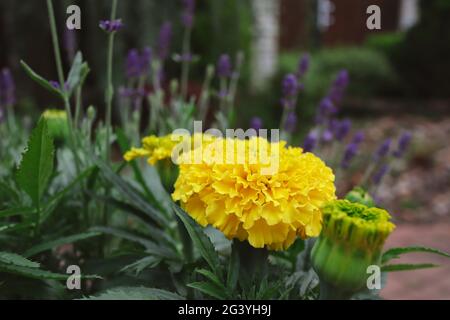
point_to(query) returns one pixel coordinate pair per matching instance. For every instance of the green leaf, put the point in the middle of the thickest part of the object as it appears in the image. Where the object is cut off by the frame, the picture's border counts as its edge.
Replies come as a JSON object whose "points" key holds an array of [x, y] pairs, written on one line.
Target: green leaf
{"points": [[135, 293], [142, 264], [395, 253], [33, 273], [406, 267], [210, 289], [59, 242], [124, 147], [201, 240], [233, 269], [17, 260], [211, 276], [151, 247], [41, 81], [16, 212], [36, 166], [131, 194]]}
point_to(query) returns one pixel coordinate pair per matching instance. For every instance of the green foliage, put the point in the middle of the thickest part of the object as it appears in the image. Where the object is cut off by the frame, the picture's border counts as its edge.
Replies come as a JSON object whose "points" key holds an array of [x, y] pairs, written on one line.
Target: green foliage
{"points": [[137, 293], [395, 253], [36, 166]]}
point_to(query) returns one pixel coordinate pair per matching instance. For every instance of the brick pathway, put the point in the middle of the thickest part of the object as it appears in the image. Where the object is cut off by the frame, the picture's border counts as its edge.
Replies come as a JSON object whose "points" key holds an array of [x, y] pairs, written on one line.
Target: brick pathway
{"points": [[420, 284]]}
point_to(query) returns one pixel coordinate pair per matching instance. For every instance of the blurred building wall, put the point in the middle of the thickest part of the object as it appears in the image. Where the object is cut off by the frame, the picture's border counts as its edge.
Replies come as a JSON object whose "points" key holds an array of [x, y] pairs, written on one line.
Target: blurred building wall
{"points": [[347, 22]]}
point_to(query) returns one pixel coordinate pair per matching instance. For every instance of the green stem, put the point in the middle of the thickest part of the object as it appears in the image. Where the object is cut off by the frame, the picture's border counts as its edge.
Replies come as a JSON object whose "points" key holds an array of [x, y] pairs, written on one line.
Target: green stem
{"points": [[109, 83], [78, 106], [59, 67]]}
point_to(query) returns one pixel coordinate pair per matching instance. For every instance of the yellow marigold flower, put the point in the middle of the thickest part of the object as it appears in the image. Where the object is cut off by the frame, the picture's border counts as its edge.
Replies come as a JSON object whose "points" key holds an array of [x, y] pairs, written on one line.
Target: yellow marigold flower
{"points": [[268, 210], [154, 148]]}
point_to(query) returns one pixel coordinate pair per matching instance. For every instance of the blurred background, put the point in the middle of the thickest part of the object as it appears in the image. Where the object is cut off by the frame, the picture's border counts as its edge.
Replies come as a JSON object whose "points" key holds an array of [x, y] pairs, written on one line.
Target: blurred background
{"points": [[399, 79]]}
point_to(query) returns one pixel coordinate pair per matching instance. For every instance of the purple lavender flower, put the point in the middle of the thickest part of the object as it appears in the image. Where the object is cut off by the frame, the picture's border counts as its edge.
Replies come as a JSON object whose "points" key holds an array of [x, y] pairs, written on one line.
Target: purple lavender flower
{"points": [[290, 85], [403, 144], [325, 110], [383, 150], [187, 16], [303, 66], [310, 142], [224, 66], [327, 135], [138, 64], [56, 85], [291, 122], [338, 88], [165, 37], [350, 152], [358, 138], [380, 173], [256, 123], [111, 25], [341, 129], [7, 88]]}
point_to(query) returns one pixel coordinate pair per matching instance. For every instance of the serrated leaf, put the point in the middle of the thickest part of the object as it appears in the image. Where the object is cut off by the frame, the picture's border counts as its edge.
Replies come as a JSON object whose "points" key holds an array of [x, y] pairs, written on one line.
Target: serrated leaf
{"points": [[41, 81], [33, 273], [142, 264], [406, 267], [136, 293], [59, 242], [131, 194], [200, 239], [17, 260], [212, 277], [210, 289], [395, 253], [36, 166]]}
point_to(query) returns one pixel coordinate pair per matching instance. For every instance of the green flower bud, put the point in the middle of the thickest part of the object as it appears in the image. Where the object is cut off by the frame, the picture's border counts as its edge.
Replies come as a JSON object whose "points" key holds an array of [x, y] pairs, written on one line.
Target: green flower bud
{"points": [[359, 195], [91, 113], [57, 125], [352, 239]]}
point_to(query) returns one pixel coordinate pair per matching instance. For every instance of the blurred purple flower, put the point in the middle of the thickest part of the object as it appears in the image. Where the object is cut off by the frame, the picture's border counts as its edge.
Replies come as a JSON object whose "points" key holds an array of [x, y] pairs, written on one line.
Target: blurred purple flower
{"points": [[224, 66], [380, 173], [403, 144], [187, 16], [165, 38], [326, 108], [7, 88], [341, 129], [256, 123], [338, 88], [350, 152], [327, 135], [310, 142], [358, 138], [290, 85], [383, 149], [138, 64], [291, 122], [55, 84], [111, 25], [303, 65]]}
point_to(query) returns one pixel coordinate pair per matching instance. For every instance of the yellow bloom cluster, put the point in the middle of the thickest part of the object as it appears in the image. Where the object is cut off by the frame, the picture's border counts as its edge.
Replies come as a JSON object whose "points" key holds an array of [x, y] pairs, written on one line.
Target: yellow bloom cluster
{"points": [[267, 210], [154, 148]]}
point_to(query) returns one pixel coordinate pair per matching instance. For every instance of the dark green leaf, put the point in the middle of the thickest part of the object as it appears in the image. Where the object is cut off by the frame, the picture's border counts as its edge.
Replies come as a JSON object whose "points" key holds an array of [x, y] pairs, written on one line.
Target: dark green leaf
{"points": [[394, 253], [74, 78], [212, 277], [59, 242], [36, 166], [132, 194], [16, 212], [406, 267], [17, 260], [41, 81], [233, 269], [210, 289], [201, 240]]}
